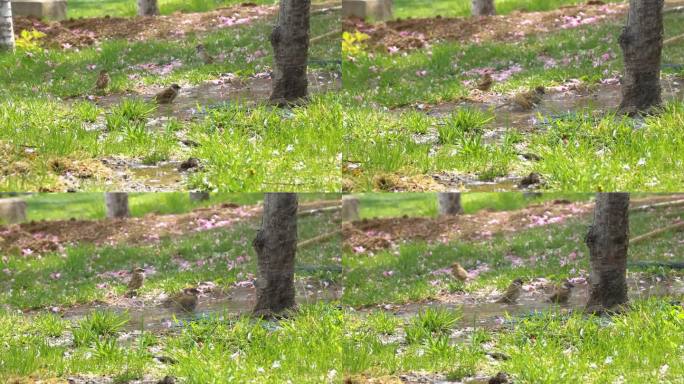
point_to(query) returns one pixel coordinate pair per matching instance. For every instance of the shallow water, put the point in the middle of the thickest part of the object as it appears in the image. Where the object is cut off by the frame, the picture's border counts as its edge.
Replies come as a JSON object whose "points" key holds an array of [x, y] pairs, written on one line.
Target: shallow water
{"points": [[159, 177], [554, 106], [196, 100], [491, 315], [154, 316]]}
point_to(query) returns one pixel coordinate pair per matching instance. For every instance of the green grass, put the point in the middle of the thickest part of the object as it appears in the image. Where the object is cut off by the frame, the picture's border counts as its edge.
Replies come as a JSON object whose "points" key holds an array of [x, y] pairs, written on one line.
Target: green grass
{"points": [[425, 204], [579, 151], [82, 272], [452, 8], [367, 283], [336, 342], [90, 206], [242, 147], [639, 346]]}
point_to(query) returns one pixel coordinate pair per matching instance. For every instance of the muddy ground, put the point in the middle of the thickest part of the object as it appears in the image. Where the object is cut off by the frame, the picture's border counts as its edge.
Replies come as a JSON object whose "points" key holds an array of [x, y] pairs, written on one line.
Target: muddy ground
{"points": [[419, 33], [35, 238], [84, 32], [382, 233]]}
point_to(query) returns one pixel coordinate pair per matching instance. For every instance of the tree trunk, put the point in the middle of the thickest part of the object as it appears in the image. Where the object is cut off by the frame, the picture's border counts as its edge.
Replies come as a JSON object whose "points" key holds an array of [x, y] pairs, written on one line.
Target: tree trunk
{"points": [[275, 245], [608, 240], [117, 204], [350, 208], [449, 203], [6, 28], [641, 41], [199, 196], [147, 8], [290, 41], [483, 8]]}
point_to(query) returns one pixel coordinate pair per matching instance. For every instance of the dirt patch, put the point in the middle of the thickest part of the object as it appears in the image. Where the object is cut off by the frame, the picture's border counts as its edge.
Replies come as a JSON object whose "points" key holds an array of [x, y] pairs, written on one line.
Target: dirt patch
{"points": [[50, 236], [377, 234], [418, 33], [84, 32], [382, 233]]}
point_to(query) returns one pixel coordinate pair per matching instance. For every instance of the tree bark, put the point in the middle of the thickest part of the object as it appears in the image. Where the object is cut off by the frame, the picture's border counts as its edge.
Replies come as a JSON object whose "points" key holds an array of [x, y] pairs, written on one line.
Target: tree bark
{"points": [[290, 41], [6, 28], [148, 8], [350, 208], [449, 203], [608, 240], [483, 8], [117, 204], [276, 245], [641, 41]]}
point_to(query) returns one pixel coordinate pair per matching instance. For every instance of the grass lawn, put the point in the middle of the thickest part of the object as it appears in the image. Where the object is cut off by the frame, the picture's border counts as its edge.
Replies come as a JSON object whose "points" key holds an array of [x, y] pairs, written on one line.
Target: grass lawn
{"points": [[90, 206], [425, 204], [44, 345], [578, 149], [54, 138], [550, 346]]}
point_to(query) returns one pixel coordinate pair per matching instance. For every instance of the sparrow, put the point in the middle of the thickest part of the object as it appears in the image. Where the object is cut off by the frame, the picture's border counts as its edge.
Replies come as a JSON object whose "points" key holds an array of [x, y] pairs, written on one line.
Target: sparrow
{"points": [[102, 80], [533, 178], [512, 292], [485, 83], [527, 100], [202, 53], [459, 272], [137, 278], [500, 378], [186, 300], [562, 293], [167, 380], [168, 95]]}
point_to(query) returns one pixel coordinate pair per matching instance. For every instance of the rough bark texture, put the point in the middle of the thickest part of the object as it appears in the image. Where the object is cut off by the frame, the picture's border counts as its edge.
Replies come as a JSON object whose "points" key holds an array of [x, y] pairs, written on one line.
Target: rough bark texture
{"points": [[641, 41], [148, 8], [276, 245], [117, 204], [483, 7], [608, 240], [449, 203], [199, 196], [290, 41], [6, 28], [350, 208]]}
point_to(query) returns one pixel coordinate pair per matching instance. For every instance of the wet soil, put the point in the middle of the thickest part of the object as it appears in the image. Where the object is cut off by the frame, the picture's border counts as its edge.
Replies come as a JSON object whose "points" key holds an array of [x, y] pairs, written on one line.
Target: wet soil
{"points": [[89, 31], [557, 103], [84, 32], [152, 314], [382, 233], [419, 33], [481, 312], [560, 102], [196, 101], [50, 236], [193, 103]]}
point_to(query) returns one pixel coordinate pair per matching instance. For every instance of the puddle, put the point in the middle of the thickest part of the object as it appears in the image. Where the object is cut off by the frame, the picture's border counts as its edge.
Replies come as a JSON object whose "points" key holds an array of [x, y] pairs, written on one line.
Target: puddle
{"points": [[492, 315], [154, 316], [559, 103], [453, 181], [160, 177], [195, 101], [138, 177], [556, 104]]}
